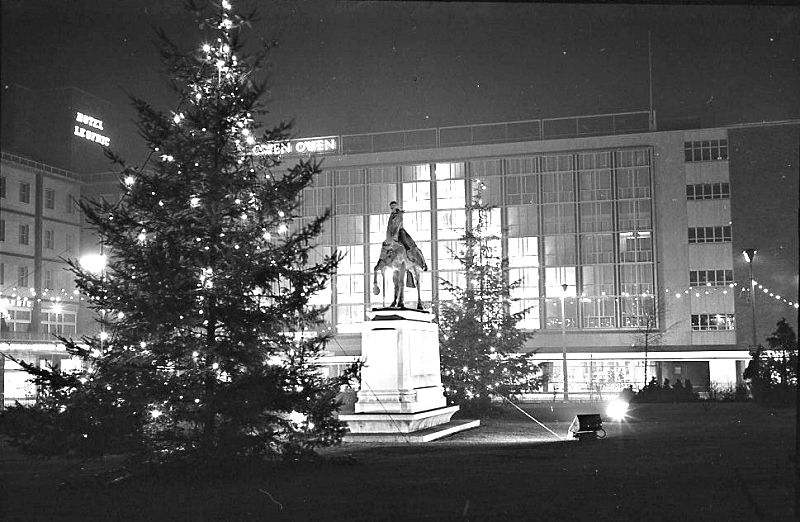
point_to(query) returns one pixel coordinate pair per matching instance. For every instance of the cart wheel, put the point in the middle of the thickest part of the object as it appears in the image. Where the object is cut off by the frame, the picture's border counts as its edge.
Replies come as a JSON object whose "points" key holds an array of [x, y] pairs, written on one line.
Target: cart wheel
{"points": [[603, 436]]}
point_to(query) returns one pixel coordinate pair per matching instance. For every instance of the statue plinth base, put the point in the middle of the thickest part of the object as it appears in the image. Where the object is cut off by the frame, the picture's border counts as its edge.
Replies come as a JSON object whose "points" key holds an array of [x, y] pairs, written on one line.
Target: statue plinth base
{"points": [[401, 386]]}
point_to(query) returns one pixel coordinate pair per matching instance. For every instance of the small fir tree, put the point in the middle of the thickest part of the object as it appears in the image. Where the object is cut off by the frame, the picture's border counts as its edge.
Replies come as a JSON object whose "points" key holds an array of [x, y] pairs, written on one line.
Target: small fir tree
{"points": [[480, 342], [203, 349], [775, 367]]}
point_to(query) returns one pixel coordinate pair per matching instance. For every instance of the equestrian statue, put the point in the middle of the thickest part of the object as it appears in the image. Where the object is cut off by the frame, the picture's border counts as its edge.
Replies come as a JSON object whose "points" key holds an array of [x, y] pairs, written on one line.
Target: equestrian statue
{"points": [[400, 253]]}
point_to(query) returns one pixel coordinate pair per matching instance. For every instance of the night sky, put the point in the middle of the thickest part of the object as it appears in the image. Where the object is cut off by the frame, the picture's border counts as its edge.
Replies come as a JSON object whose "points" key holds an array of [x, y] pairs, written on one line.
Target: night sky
{"points": [[356, 67], [352, 67]]}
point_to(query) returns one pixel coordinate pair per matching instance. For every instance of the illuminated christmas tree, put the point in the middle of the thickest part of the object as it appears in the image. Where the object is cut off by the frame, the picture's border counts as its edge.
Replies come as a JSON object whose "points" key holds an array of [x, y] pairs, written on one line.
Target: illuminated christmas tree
{"points": [[208, 341], [480, 343]]}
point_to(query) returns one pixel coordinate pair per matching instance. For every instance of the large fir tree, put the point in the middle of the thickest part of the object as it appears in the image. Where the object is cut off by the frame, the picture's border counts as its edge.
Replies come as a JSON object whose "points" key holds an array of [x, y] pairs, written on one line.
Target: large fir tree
{"points": [[204, 303], [480, 342]]}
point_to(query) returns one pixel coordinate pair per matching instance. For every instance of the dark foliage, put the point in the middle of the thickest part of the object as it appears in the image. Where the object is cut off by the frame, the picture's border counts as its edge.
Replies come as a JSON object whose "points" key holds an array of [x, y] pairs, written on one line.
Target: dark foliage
{"points": [[206, 342]]}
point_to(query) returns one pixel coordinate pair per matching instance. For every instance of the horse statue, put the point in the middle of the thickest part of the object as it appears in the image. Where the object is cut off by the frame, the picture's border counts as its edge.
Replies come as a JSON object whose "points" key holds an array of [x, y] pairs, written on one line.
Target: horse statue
{"points": [[407, 266], [400, 253]]}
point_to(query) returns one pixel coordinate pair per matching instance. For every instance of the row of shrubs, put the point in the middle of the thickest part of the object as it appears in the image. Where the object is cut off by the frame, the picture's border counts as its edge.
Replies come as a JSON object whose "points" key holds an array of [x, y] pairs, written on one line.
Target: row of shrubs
{"points": [[684, 392]]}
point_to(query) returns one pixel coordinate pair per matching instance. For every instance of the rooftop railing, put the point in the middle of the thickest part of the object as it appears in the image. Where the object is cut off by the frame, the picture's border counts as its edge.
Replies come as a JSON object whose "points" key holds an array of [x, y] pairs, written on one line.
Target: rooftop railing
{"points": [[20, 160], [505, 132]]}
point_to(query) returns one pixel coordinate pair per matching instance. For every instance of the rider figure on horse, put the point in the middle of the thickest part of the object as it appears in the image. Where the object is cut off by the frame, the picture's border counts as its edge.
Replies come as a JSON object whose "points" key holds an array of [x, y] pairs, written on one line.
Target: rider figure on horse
{"points": [[396, 232]]}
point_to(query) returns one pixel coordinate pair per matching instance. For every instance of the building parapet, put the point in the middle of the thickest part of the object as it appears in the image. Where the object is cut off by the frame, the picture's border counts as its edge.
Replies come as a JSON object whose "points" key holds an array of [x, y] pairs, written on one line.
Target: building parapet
{"points": [[43, 167], [504, 132]]}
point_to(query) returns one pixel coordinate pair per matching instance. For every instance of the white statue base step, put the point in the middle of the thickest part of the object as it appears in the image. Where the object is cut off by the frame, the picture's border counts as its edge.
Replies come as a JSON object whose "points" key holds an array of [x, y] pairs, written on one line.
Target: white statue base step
{"points": [[424, 435], [401, 386]]}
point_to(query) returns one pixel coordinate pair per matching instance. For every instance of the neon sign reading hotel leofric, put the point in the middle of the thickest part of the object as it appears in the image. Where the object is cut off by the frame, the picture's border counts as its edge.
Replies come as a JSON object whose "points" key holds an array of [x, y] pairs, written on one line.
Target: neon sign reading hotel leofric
{"points": [[303, 146], [87, 134]]}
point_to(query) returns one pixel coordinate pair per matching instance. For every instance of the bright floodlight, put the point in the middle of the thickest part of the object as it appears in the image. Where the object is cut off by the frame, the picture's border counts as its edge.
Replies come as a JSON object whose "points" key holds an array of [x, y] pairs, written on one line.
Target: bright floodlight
{"points": [[617, 409], [749, 254], [94, 263]]}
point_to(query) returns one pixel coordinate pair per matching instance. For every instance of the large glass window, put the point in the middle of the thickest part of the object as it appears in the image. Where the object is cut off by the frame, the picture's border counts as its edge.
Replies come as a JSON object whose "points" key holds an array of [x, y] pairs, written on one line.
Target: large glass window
{"points": [[522, 189], [451, 224], [636, 279], [555, 277], [595, 185], [485, 168], [416, 172], [449, 170], [554, 316], [377, 227], [597, 248], [635, 247], [638, 311], [316, 201], [350, 296], [594, 160], [456, 277], [560, 162], [559, 250], [532, 318], [523, 251], [349, 230], [633, 158], [523, 258], [557, 187], [633, 182], [418, 224], [713, 322], [417, 196], [381, 189], [350, 199], [447, 251], [523, 221], [380, 195], [488, 191], [597, 281], [634, 214], [598, 312], [596, 216], [450, 194], [558, 219]]}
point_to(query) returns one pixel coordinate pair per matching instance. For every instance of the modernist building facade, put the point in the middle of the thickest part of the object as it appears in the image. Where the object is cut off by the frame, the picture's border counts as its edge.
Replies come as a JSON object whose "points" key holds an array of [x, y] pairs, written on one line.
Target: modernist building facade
{"points": [[639, 225], [636, 223]]}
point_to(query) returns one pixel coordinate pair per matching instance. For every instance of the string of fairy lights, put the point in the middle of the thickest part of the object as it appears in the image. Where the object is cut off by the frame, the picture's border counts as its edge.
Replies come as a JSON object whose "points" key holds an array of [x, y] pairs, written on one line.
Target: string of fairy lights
{"points": [[220, 57]]}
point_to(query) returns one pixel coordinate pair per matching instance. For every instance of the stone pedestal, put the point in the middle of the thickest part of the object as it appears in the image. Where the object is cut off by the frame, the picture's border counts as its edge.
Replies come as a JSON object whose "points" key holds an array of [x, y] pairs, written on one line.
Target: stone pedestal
{"points": [[401, 385]]}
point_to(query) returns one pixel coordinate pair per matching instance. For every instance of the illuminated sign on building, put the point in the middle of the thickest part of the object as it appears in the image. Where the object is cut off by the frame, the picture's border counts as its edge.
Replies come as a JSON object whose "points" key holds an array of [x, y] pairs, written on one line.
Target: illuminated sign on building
{"points": [[83, 132], [326, 145]]}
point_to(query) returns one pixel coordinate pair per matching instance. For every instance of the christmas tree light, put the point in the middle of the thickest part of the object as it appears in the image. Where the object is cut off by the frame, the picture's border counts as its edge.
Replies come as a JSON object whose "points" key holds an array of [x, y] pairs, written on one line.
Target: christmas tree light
{"points": [[196, 298], [478, 334]]}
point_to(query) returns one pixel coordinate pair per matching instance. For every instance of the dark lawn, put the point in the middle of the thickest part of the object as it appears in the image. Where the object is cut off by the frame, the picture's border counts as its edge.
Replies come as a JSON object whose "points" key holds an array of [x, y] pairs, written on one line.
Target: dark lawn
{"points": [[676, 462]]}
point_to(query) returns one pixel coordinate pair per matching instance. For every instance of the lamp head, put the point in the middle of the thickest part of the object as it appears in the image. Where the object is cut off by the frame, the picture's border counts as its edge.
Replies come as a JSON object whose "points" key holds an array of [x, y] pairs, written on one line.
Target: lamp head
{"points": [[749, 254], [94, 263]]}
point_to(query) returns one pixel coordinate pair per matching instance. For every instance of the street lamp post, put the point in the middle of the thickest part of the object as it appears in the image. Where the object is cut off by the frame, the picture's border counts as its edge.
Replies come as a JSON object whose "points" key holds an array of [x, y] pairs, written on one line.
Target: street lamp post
{"points": [[96, 264], [749, 256], [564, 342]]}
